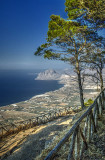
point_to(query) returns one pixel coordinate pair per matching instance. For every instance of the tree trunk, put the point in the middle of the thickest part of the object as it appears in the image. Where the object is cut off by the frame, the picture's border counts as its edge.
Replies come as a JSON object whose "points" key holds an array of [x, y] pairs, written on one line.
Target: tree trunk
{"points": [[80, 89], [101, 80], [79, 82], [77, 67]]}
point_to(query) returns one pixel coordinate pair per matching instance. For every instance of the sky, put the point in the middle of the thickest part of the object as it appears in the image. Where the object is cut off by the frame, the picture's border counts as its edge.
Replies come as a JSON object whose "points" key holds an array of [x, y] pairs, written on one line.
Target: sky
{"points": [[23, 27]]}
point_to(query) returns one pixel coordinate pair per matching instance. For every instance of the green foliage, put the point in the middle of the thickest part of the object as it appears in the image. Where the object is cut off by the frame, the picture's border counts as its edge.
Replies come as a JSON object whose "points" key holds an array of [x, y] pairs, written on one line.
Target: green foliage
{"points": [[51, 55], [45, 45], [61, 33], [58, 27], [89, 102], [38, 52], [93, 9]]}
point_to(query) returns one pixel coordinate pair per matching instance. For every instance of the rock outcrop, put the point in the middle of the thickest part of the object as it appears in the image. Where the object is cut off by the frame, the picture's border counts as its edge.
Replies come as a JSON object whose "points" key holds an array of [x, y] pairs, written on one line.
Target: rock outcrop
{"points": [[48, 75]]}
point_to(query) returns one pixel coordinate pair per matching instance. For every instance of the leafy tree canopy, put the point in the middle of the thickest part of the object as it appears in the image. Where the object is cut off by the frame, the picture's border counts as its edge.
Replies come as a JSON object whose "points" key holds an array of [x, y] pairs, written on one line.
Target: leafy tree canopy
{"points": [[58, 27], [64, 34], [61, 34], [92, 10]]}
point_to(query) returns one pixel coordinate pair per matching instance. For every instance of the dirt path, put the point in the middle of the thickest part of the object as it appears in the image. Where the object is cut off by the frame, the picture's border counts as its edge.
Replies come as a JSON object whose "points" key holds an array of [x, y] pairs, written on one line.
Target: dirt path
{"points": [[26, 145]]}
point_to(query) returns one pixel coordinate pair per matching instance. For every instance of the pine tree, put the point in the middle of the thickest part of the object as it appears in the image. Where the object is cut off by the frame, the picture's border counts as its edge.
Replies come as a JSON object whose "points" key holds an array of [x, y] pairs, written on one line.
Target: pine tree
{"points": [[66, 41], [92, 11]]}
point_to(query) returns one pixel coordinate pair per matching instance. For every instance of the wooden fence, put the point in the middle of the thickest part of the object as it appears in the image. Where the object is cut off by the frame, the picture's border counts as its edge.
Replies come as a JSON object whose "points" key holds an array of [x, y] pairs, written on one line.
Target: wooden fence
{"points": [[81, 132], [10, 128]]}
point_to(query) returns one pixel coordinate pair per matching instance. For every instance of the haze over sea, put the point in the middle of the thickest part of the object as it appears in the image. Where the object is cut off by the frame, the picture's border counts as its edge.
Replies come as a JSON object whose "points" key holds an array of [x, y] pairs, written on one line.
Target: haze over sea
{"points": [[20, 85]]}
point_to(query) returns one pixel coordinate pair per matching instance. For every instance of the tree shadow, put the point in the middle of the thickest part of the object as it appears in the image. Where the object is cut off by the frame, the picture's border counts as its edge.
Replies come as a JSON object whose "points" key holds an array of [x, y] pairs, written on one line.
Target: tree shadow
{"points": [[35, 143]]}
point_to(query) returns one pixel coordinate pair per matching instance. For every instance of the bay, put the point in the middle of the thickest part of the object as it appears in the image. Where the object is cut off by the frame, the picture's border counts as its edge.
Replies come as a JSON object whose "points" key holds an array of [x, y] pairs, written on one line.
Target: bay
{"points": [[20, 85]]}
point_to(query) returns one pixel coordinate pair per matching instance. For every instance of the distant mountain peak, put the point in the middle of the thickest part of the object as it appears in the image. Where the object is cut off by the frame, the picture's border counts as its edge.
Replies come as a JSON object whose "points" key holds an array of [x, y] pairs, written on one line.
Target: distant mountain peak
{"points": [[48, 75]]}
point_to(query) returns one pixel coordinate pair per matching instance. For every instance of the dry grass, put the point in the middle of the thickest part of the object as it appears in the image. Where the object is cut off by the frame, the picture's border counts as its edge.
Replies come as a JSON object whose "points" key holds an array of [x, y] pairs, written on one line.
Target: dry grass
{"points": [[96, 149], [53, 132], [46, 132], [62, 155]]}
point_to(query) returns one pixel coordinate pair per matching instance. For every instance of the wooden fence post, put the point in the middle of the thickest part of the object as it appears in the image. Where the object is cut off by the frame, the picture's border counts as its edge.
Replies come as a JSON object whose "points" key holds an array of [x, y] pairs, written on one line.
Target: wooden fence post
{"points": [[102, 97], [93, 121], [100, 106], [77, 144], [96, 114], [84, 135], [89, 129], [70, 155]]}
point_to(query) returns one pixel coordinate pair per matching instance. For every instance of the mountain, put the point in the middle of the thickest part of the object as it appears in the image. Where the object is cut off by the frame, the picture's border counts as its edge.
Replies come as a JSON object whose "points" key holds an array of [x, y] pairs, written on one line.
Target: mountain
{"points": [[48, 75]]}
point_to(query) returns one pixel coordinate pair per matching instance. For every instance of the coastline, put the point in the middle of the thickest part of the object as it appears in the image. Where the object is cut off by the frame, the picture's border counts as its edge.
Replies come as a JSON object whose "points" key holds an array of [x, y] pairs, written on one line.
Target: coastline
{"points": [[41, 137], [19, 85], [43, 92], [43, 103]]}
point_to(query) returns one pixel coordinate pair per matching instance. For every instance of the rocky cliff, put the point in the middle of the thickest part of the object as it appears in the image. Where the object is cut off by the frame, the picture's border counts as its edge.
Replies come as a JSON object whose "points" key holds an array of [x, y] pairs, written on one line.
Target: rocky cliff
{"points": [[48, 75]]}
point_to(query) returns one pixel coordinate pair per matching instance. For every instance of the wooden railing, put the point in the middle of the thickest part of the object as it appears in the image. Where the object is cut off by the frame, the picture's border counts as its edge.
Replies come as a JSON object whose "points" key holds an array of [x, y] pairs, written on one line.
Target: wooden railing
{"points": [[78, 137], [10, 128]]}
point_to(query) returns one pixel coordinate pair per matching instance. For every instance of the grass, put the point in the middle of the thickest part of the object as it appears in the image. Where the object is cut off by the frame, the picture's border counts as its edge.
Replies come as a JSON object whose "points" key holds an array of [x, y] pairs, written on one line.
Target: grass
{"points": [[65, 148], [96, 149], [89, 102]]}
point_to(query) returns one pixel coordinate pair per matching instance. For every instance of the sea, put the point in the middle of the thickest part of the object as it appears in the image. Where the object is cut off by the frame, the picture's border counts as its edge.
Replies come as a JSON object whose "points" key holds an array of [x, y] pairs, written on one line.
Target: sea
{"points": [[20, 85]]}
